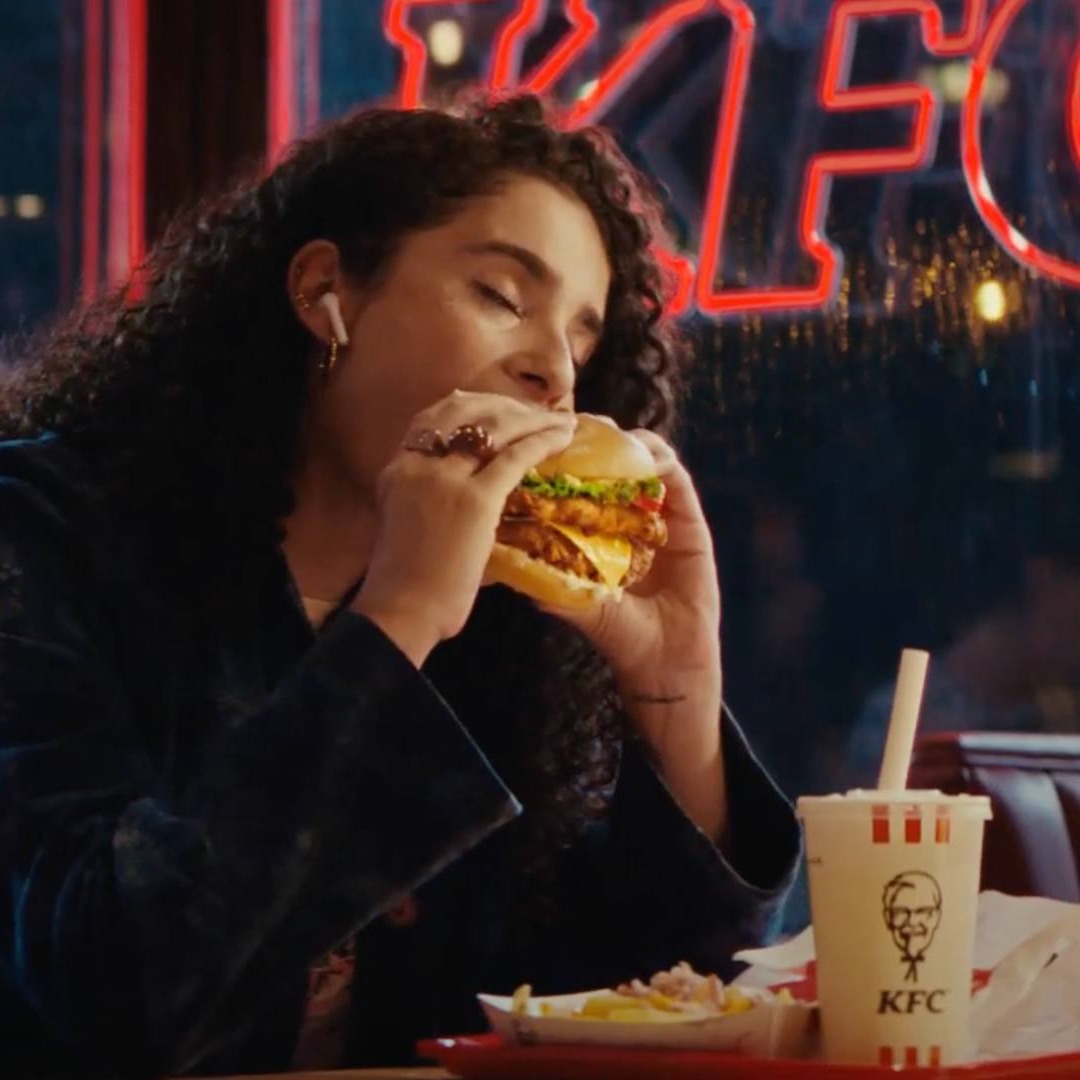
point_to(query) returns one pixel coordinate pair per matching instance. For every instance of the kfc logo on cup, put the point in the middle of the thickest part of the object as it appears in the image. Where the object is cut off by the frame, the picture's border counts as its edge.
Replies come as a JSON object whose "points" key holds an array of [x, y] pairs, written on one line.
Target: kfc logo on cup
{"points": [[912, 909]]}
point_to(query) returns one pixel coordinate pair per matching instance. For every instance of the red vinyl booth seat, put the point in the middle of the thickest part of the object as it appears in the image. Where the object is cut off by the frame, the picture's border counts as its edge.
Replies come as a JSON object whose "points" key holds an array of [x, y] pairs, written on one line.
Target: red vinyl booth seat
{"points": [[1033, 842]]}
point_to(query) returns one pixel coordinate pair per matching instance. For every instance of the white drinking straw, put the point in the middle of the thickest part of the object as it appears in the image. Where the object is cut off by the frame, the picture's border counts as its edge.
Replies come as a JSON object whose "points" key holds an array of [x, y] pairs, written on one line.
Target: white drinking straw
{"points": [[904, 720]]}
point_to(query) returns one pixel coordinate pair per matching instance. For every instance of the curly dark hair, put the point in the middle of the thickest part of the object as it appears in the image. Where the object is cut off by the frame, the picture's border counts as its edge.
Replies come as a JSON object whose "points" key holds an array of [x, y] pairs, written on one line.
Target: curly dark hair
{"points": [[186, 389]]}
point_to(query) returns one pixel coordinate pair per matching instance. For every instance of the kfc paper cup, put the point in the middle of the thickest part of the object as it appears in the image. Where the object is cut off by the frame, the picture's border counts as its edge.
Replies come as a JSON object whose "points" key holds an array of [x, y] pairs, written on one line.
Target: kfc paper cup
{"points": [[894, 883]]}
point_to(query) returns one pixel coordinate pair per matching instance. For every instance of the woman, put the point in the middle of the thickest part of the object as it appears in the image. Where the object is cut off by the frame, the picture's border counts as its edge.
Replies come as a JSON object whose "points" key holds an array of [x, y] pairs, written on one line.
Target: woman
{"points": [[227, 543]]}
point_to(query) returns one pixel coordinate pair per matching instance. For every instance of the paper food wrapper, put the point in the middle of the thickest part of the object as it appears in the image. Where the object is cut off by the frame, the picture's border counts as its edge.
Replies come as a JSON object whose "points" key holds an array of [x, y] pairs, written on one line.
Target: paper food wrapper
{"points": [[1030, 949], [770, 1029]]}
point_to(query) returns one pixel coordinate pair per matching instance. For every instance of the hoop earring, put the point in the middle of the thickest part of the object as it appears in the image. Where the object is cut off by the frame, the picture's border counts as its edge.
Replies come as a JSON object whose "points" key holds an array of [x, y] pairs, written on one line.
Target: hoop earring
{"points": [[329, 360]]}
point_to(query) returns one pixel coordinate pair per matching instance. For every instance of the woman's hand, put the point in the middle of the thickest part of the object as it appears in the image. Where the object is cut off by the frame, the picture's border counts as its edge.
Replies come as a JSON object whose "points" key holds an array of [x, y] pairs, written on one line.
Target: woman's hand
{"points": [[665, 630], [663, 643], [438, 515]]}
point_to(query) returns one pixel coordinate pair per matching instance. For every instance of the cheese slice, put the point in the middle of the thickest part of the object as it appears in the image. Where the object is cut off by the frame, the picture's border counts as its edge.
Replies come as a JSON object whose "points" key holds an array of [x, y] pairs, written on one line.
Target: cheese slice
{"points": [[609, 554]]}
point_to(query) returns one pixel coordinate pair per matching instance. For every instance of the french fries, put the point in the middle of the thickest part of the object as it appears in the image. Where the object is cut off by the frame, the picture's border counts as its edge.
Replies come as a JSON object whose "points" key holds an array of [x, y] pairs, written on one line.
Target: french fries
{"points": [[621, 1008], [519, 1003], [685, 995]]}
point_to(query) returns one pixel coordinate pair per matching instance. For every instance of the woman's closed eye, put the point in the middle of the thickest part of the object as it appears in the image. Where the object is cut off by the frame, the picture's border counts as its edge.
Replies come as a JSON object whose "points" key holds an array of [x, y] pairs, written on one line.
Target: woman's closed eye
{"points": [[496, 296], [491, 295]]}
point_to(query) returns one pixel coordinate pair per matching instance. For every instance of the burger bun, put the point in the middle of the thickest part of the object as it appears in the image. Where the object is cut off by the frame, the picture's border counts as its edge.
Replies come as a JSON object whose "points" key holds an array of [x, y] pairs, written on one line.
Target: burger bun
{"points": [[600, 450], [512, 567]]}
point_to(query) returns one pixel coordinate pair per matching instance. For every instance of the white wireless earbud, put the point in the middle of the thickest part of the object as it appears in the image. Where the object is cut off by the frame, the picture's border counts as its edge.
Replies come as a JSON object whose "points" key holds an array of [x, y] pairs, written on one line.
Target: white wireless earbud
{"points": [[337, 323]]}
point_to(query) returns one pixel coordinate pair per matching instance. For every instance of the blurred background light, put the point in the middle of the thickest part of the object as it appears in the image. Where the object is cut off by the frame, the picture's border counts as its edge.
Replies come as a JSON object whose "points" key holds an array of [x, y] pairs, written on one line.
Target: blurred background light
{"points": [[990, 301], [952, 80], [29, 206], [446, 42], [955, 78], [587, 88]]}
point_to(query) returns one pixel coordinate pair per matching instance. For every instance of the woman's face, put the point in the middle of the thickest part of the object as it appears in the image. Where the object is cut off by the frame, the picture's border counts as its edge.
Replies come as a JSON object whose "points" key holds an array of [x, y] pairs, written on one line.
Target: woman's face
{"points": [[507, 297]]}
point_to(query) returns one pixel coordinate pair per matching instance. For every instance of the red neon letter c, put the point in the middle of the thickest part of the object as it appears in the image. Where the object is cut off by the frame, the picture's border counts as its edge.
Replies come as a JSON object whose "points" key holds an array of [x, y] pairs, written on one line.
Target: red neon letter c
{"points": [[1006, 234], [1074, 109]]}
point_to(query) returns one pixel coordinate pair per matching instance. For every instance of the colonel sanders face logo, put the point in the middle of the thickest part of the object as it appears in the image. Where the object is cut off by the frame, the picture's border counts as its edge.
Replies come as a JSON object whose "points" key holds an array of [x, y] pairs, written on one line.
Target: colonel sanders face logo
{"points": [[912, 903]]}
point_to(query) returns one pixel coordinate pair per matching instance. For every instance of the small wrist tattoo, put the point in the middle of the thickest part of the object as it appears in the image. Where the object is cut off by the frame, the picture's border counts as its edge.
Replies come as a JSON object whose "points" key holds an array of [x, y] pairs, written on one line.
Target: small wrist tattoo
{"points": [[658, 699]]}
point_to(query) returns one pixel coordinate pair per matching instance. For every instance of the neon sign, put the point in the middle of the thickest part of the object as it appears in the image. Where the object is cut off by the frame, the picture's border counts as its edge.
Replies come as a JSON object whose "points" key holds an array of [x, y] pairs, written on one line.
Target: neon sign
{"points": [[113, 142], [835, 95], [1006, 234], [978, 36]]}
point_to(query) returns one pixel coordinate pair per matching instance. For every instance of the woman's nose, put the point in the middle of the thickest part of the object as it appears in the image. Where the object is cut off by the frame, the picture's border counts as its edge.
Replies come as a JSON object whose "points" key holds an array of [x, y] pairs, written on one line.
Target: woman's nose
{"points": [[545, 376]]}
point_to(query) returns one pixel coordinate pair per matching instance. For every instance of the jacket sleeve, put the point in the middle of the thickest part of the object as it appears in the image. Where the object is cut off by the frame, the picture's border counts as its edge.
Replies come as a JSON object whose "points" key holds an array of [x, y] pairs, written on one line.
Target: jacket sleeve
{"points": [[138, 918], [657, 890]]}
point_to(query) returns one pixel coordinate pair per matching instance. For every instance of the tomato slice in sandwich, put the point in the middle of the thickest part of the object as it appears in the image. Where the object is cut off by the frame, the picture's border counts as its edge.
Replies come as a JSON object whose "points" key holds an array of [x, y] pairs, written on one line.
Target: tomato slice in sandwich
{"points": [[649, 503]]}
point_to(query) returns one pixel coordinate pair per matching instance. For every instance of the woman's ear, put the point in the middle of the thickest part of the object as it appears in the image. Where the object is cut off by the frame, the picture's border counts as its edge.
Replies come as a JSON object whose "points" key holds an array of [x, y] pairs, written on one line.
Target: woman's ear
{"points": [[316, 285]]}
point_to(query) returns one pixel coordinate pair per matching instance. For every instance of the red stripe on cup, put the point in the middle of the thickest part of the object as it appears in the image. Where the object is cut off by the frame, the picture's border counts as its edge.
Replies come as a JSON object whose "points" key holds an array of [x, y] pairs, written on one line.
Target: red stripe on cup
{"points": [[941, 830], [884, 1056], [935, 1056], [912, 830], [880, 824], [911, 1057]]}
